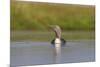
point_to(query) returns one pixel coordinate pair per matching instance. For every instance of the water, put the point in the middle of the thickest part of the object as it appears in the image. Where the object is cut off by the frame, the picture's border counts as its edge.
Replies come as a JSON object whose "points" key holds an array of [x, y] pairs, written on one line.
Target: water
{"points": [[28, 53]]}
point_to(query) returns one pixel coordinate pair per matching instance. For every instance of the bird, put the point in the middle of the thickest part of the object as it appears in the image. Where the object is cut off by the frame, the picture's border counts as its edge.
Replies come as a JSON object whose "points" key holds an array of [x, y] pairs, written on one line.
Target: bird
{"points": [[58, 38]]}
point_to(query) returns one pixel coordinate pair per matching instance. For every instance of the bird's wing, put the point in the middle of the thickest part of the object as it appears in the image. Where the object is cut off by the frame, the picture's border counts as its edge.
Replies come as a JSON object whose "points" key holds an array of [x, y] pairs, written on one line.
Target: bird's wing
{"points": [[63, 42]]}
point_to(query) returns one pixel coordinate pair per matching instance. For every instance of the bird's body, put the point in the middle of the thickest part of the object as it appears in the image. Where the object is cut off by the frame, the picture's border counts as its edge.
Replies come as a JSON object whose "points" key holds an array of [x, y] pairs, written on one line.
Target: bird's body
{"points": [[63, 42]]}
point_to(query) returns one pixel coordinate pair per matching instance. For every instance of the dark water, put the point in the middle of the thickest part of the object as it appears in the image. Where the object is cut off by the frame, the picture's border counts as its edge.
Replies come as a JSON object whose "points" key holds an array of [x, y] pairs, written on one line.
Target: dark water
{"points": [[28, 53]]}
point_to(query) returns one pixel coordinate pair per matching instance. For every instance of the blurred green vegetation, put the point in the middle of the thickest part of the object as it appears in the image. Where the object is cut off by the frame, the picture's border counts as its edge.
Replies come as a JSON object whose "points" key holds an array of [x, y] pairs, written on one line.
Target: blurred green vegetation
{"points": [[38, 16], [48, 36]]}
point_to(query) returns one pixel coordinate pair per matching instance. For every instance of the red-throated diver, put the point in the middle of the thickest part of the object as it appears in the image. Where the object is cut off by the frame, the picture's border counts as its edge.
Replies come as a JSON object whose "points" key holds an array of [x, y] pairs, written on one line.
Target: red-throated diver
{"points": [[58, 37]]}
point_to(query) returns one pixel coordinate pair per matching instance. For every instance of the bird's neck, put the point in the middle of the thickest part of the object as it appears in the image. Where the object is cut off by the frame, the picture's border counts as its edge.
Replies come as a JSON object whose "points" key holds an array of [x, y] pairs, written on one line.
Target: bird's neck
{"points": [[58, 34]]}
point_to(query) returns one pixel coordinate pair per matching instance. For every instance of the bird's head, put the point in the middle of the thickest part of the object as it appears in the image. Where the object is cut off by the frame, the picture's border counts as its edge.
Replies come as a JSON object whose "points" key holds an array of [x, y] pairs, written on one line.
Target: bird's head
{"points": [[57, 30]]}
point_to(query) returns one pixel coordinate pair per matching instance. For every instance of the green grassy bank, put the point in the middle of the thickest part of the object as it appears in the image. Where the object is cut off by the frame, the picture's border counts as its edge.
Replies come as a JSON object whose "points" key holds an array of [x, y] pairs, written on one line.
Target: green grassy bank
{"points": [[38, 16]]}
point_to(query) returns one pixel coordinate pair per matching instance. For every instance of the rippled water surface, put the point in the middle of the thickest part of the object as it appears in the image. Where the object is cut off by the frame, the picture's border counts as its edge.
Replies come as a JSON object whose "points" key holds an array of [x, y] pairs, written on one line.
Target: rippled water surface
{"points": [[26, 53]]}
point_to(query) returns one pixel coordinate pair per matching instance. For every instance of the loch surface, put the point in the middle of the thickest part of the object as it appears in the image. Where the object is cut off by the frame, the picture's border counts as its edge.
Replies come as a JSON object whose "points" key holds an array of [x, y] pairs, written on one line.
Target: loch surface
{"points": [[27, 53]]}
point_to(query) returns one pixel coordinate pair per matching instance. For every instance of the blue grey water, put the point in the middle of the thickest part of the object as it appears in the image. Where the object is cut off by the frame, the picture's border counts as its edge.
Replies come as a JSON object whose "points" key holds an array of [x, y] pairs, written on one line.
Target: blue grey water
{"points": [[27, 53]]}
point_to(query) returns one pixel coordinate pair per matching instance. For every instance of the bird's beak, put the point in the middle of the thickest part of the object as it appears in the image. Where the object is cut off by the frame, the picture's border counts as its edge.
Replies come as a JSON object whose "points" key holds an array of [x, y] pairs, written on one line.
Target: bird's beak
{"points": [[51, 27]]}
